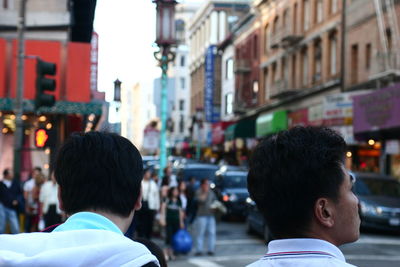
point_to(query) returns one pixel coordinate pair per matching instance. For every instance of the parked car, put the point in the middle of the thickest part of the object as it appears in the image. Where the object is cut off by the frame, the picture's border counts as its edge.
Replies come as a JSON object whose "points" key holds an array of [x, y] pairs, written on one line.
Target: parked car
{"points": [[379, 198], [198, 170], [255, 222], [230, 187]]}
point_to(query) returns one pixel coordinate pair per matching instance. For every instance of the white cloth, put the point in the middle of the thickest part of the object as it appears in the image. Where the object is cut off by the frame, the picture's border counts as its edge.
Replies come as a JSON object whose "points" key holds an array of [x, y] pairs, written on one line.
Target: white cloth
{"points": [[48, 196], [28, 186], [7, 183], [151, 193], [72, 248], [301, 252]]}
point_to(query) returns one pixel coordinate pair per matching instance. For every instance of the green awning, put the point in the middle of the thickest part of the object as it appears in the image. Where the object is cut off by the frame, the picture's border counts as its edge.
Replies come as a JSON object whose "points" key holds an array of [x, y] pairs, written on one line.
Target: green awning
{"points": [[269, 123], [61, 107], [242, 129]]}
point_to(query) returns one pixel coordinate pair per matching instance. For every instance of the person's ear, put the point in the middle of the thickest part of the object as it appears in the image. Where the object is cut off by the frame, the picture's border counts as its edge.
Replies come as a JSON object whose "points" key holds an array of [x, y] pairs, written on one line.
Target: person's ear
{"points": [[60, 202], [138, 204], [324, 211]]}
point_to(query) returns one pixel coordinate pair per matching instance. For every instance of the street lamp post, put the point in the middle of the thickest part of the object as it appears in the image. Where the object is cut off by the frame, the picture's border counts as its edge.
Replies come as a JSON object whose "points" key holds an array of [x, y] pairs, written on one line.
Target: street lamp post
{"points": [[165, 39]]}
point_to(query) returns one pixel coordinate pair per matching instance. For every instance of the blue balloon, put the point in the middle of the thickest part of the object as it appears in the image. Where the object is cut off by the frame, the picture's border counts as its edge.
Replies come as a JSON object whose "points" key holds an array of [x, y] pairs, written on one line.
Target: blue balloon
{"points": [[182, 241]]}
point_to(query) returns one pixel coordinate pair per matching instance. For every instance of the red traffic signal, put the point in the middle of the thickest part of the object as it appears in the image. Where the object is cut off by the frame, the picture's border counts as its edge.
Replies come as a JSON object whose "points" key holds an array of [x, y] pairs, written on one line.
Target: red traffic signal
{"points": [[41, 138]]}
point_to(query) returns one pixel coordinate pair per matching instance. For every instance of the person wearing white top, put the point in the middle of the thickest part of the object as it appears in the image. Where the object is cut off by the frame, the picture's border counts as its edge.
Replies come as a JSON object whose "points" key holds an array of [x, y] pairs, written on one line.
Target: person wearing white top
{"points": [[99, 178], [49, 200], [298, 181], [150, 206]]}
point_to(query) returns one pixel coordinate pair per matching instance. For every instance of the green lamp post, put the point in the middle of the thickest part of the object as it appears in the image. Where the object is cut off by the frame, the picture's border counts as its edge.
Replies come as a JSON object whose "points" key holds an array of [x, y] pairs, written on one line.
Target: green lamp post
{"points": [[165, 39]]}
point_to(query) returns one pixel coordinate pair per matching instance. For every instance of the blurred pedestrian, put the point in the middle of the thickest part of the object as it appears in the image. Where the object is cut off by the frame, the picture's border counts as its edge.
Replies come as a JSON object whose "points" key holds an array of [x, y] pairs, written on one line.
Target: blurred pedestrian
{"points": [[150, 205], [191, 207], [10, 198], [49, 202], [173, 213], [165, 184], [31, 208], [99, 179], [205, 220], [298, 180]]}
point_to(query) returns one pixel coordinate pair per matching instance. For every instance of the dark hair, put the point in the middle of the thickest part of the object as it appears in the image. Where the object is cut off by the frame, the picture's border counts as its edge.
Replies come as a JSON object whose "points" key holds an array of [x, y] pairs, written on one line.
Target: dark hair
{"points": [[289, 171], [171, 191], [99, 171], [37, 169], [203, 181], [6, 172], [165, 181], [154, 249]]}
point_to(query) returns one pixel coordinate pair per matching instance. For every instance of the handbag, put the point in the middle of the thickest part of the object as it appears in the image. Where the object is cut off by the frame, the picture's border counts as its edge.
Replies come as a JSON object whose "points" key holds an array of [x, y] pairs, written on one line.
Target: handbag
{"points": [[218, 206]]}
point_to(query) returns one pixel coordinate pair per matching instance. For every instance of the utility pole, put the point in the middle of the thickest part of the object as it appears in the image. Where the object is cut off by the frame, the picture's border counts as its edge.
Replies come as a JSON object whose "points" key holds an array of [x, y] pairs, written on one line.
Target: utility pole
{"points": [[18, 108]]}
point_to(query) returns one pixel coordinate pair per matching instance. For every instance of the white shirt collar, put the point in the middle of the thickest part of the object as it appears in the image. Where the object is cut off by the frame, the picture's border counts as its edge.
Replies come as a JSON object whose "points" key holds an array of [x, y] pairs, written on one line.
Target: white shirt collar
{"points": [[281, 247]]}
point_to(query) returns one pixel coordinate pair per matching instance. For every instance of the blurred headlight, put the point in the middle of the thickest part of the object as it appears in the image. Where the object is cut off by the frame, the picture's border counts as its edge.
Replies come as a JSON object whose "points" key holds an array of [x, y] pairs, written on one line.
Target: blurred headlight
{"points": [[249, 200], [233, 197], [370, 209], [212, 185]]}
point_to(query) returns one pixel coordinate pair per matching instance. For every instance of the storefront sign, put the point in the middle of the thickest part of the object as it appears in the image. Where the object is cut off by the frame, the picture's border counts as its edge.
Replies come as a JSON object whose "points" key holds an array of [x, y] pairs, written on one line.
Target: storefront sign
{"points": [[315, 113], [218, 130], [378, 110], [151, 139], [346, 131], [212, 113], [298, 118]]}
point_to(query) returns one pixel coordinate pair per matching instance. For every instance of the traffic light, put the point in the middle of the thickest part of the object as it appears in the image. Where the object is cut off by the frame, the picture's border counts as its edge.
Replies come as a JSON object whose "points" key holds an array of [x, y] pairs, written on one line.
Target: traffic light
{"points": [[44, 84], [41, 138]]}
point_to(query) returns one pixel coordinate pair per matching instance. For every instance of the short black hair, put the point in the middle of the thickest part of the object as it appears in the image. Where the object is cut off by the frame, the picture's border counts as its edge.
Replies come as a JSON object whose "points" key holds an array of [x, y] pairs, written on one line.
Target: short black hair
{"points": [[289, 171], [6, 172], [99, 171], [37, 169]]}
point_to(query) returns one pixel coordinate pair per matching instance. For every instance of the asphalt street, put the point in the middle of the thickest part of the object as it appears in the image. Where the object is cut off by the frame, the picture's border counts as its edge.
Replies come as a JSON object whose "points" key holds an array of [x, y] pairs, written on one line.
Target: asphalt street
{"points": [[236, 248]]}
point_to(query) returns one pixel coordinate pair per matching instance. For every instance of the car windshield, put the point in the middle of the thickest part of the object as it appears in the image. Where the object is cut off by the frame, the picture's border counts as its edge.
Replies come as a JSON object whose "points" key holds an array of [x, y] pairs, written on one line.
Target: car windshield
{"points": [[377, 187], [235, 181], [199, 174]]}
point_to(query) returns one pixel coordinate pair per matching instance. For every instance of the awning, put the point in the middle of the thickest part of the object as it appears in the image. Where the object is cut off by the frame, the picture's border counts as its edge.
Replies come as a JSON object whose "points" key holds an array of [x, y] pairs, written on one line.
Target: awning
{"points": [[60, 107], [269, 123], [243, 129], [218, 130]]}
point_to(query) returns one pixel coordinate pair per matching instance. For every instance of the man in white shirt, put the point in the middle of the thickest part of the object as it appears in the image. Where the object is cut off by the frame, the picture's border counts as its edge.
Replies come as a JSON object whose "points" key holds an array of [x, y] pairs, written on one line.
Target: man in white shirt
{"points": [[99, 179], [298, 181]]}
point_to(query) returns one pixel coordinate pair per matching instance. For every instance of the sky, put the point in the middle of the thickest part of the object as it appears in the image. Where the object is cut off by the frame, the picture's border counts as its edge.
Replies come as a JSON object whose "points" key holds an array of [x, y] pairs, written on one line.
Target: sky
{"points": [[126, 30]]}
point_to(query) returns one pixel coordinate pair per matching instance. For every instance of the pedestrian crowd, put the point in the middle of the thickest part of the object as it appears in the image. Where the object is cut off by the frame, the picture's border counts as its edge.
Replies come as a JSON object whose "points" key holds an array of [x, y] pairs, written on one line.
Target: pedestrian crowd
{"points": [[28, 206]]}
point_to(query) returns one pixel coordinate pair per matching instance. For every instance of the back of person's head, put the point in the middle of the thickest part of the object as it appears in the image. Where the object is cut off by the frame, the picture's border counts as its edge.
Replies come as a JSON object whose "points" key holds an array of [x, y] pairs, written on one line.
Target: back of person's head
{"points": [[290, 171], [165, 181], [100, 172]]}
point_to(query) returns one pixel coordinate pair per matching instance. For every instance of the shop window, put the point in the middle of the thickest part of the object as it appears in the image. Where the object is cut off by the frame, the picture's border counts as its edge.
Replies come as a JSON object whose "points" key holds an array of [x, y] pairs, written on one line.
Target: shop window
{"points": [[368, 52], [354, 64], [332, 53]]}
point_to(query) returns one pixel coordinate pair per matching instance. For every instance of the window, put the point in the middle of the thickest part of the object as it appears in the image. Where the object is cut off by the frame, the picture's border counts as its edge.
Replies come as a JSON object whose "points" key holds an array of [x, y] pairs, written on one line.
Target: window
{"points": [[332, 54], [294, 22], [273, 74], [255, 47], [266, 84], [285, 18], [275, 27], [181, 124], [5, 4], [255, 91], [306, 14], [368, 51], [304, 59], [181, 105], [228, 103], [283, 69], [229, 69], [182, 61], [294, 68], [319, 11], [354, 63], [183, 81], [317, 60], [333, 7], [389, 39], [266, 38]]}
